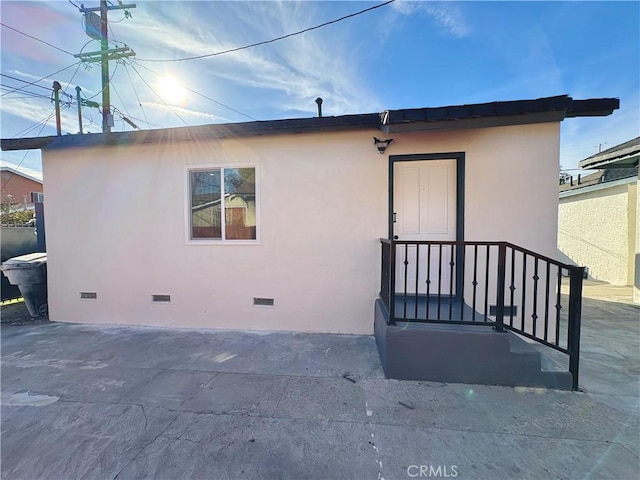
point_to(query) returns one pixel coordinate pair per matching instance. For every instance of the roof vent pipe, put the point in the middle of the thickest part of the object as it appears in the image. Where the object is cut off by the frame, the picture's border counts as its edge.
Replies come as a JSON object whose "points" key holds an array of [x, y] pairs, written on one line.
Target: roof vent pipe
{"points": [[319, 103]]}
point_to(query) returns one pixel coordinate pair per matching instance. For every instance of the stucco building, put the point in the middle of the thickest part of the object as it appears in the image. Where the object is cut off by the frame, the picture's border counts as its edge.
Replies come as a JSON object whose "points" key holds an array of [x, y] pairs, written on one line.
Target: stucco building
{"points": [[598, 216], [277, 225]]}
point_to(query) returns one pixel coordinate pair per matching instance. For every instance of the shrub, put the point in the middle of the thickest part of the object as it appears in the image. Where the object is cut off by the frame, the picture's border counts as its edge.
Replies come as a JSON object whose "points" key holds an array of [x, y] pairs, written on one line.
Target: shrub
{"points": [[17, 218]]}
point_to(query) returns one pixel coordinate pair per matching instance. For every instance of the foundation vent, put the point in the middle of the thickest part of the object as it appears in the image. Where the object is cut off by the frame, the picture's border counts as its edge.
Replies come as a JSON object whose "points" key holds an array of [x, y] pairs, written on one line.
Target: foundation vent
{"points": [[266, 302], [88, 296], [161, 298]]}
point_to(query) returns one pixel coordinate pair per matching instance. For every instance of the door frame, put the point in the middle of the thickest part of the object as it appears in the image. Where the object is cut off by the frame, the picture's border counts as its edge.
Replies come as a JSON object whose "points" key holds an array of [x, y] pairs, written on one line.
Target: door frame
{"points": [[459, 157]]}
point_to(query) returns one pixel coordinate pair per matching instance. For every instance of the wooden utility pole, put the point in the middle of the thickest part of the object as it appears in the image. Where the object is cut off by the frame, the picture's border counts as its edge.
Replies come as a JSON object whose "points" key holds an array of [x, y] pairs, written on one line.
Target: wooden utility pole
{"points": [[104, 54], [56, 96], [107, 118]]}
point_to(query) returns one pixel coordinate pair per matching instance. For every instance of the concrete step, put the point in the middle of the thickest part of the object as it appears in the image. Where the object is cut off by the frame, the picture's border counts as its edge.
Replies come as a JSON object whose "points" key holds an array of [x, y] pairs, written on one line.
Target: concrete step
{"points": [[460, 354]]}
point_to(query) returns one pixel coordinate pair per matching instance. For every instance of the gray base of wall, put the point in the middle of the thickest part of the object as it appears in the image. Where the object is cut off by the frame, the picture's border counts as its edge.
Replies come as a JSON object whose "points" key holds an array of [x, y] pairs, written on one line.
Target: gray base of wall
{"points": [[460, 354]]}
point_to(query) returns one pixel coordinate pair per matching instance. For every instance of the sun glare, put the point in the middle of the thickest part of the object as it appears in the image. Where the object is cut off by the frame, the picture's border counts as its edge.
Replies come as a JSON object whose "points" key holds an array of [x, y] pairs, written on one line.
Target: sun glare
{"points": [[171, 91]]}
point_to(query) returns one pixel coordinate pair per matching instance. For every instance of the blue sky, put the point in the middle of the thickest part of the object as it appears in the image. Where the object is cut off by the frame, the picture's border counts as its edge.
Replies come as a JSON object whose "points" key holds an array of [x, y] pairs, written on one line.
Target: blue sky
{"points": [[403, 55]]}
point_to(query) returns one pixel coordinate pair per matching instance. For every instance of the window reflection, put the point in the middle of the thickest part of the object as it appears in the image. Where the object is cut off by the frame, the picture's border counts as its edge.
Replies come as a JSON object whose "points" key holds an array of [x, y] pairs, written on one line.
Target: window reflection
{"points": [[236, 198]]}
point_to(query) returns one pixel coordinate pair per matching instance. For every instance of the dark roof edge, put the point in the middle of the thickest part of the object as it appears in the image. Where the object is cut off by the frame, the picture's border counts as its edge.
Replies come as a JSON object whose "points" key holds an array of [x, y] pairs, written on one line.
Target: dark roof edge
{"points": [[201, 132], [593, 107], [622, 151], [419, 119]]}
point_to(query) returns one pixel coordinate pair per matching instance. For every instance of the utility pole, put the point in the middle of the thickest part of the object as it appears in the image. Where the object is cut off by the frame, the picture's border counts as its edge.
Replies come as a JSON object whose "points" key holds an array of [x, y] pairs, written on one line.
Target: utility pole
{"points": [[79, 100], [107, 118], [104, 55], [56, 96]]}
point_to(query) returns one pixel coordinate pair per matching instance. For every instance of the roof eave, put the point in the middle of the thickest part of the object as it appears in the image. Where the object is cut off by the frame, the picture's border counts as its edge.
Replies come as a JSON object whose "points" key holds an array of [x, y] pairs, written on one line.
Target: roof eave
{"points": [[29, 143], [620, 161], [7, 168], [624, 155], [480, 122], [202, 132], [593, 107], [518, 112]]}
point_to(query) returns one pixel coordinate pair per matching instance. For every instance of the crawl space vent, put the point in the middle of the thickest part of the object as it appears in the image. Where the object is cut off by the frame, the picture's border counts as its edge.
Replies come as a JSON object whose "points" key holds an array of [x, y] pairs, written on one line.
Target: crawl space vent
{"points": [[267, 302]]}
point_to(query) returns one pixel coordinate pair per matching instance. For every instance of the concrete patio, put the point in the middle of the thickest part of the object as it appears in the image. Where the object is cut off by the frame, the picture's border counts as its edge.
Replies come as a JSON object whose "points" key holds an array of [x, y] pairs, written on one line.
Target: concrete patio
{"points": [[113, 402]]}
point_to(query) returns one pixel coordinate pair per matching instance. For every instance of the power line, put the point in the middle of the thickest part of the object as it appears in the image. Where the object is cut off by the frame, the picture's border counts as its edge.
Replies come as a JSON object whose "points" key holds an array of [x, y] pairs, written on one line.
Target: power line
{"points": [[145, 121], [269, 41], [24, 81], [21, 89], [44, 123], [103, 88], [26, 93], [11, 88], [204, 96], [120, 98], [136, 93], [34, 126], [40, 79], [36, 39], [161, 99], [64, 91]]}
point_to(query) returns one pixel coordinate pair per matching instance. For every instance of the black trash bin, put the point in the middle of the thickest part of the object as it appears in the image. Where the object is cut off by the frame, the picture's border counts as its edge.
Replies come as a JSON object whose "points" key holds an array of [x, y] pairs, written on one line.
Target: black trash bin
{"points": [[29, 273]]}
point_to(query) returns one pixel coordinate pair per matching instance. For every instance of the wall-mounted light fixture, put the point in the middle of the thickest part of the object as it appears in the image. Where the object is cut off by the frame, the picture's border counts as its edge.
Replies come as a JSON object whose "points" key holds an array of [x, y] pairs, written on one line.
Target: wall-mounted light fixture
{"points": [[382, 145]]}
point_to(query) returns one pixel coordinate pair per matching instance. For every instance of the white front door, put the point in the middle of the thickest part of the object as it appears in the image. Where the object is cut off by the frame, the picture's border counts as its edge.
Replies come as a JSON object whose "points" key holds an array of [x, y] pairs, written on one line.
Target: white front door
{"points": [[424, 206]]}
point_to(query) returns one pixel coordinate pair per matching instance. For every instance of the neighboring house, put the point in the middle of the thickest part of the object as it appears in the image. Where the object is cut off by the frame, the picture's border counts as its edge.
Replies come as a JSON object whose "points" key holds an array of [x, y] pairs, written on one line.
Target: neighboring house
{"points": [[277, 225], [598, 216], [20, 186]]}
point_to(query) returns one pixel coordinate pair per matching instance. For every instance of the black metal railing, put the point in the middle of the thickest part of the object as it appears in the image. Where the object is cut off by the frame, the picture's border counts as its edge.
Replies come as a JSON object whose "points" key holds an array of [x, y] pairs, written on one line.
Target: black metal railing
{"points": [[496, 284]]}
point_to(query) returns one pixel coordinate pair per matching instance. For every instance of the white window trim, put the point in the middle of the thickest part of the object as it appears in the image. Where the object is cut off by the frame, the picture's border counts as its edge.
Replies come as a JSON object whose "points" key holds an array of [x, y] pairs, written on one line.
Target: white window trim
{"points": [[187, 204]]}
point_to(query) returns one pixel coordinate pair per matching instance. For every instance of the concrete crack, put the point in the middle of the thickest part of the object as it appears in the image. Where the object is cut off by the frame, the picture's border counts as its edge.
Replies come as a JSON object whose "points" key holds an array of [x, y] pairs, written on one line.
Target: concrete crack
{"points": [[137, 455], [146, 422], [284, 391]]}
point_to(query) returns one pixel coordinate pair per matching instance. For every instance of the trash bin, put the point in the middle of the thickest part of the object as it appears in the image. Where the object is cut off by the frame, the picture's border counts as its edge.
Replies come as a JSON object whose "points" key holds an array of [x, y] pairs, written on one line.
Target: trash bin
{"points": [[29, 273]]}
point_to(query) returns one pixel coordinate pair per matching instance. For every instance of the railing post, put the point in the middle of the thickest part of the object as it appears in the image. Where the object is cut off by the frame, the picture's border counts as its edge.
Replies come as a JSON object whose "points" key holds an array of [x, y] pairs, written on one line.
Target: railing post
{"points": [[575, 316], [383, 266], [392, 283], [502, 260]]}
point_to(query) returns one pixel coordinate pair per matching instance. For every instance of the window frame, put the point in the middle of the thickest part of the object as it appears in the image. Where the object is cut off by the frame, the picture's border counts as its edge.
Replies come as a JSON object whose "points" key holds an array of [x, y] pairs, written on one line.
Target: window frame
{"points": [[38, 195], [187, 204]]}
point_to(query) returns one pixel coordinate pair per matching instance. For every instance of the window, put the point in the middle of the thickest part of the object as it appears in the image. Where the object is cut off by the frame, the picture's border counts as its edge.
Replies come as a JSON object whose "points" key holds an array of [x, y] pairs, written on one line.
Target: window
{"points": [[37, 197], [222, 204]]}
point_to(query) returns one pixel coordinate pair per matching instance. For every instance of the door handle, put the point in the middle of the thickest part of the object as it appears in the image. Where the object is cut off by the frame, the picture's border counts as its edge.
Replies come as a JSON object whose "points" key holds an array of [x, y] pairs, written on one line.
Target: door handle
{"points": [[395, 237]]}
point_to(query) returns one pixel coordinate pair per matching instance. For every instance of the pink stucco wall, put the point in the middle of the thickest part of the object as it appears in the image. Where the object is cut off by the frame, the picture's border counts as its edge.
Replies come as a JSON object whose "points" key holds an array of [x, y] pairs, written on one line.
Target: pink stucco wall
{"points": [[322, 209]]}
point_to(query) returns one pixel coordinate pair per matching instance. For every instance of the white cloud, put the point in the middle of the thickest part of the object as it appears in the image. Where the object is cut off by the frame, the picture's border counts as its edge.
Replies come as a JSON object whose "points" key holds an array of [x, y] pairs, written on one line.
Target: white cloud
{"points": [[291, 75], [182, 112], [41, 119], [447, 15]]}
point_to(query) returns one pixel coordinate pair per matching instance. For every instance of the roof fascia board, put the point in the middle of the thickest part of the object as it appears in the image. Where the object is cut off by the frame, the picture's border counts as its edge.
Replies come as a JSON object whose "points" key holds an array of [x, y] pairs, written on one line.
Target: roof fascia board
{"points": [[625, 156], [518, 112], [29, 143], [480, 122], [203, 132], [593, 107]]}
